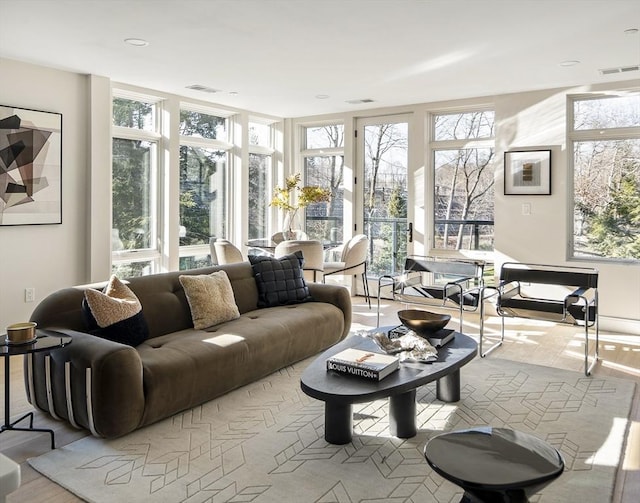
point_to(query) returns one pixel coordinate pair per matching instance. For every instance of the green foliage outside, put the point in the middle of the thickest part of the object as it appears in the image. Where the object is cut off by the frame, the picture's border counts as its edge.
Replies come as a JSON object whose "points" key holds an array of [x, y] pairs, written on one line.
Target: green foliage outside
{"points": [[131, 211], [130, 177], [615, 231], [391, 255], [197, 166]]}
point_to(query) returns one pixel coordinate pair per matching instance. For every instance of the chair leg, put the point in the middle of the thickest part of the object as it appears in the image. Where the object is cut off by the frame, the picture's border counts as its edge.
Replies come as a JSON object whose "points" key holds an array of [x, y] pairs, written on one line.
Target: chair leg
{"points": [[588, 368], [365, 285], [496, 344]]}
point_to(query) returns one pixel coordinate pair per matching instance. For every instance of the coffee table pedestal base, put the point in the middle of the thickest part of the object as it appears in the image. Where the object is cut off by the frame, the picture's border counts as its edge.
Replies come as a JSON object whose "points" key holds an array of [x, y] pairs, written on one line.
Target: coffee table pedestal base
{"points": [[338, 422], [338, 417], [448, 387], [402, 415]]}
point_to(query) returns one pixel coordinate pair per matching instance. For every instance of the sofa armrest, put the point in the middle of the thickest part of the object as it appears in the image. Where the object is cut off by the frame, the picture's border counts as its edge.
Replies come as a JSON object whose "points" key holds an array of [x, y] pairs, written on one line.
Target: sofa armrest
{"points": [[338, 296], [94, 383]]}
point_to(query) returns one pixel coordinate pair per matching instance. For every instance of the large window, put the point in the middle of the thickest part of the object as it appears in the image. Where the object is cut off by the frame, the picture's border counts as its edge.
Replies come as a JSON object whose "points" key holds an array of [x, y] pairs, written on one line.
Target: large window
{"points": [[134, 187], [203, 184], [605, 140], [177, 171], [463, 153], [260, 176], [323, 155]]}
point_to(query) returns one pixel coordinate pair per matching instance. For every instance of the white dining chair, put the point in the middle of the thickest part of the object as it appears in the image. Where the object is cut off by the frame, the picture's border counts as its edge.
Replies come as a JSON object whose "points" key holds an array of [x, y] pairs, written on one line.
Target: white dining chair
{"points": [[226, 252], [352, 262], [313, 254]]}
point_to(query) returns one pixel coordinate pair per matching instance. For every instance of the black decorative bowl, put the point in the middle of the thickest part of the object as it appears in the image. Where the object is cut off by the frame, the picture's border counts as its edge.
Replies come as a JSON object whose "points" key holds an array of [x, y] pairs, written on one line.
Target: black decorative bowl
{"points": [[422, 322]]}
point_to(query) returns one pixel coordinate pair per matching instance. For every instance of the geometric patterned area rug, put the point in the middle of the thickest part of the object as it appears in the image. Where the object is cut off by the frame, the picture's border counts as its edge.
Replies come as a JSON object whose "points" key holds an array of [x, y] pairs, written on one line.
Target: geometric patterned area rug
{"points": [[265, 443]]}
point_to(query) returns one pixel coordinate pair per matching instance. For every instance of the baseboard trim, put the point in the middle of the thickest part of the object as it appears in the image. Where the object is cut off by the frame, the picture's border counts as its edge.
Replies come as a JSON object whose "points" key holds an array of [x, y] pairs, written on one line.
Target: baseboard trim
{"points": [[621, 325]]}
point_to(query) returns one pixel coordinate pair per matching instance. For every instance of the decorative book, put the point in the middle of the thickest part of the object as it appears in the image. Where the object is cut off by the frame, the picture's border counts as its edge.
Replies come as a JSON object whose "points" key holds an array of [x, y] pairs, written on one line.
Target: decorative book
{"points": [[367, 364], [441, 337], [437, 339]]}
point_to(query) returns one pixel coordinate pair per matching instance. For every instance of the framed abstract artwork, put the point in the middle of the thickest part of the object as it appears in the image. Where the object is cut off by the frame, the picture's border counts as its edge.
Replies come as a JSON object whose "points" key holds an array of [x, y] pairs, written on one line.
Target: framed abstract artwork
{"points": [[527, 172], [30, 166]]}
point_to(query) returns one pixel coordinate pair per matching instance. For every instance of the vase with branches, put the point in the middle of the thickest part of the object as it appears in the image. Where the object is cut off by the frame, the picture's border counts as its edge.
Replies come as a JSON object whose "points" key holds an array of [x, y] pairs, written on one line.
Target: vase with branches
{"points": [[292, 196]]}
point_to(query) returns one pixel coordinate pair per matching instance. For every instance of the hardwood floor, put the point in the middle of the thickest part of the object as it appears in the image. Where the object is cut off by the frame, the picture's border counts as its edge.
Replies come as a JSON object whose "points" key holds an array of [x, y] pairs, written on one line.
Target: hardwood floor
{"points": [[529, 341]]}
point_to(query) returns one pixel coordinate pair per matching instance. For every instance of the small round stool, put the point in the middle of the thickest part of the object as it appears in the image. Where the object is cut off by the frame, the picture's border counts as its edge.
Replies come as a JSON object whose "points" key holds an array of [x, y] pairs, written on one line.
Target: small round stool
{"points": [[494, 465]]}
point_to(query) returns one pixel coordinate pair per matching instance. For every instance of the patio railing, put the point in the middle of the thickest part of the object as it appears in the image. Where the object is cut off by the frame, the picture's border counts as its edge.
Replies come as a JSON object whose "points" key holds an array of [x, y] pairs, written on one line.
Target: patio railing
{"points": [[388, 238]]}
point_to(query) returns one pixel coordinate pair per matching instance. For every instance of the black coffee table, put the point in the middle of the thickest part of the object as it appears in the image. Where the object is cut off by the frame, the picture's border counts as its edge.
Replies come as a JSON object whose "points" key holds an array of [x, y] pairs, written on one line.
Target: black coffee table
{"points": [[340, 391], [494, 464]]}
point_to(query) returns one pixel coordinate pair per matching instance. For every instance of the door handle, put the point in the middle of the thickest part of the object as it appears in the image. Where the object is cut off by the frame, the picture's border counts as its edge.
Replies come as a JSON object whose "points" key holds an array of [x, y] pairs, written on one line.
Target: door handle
{"points": [[410, 232]]}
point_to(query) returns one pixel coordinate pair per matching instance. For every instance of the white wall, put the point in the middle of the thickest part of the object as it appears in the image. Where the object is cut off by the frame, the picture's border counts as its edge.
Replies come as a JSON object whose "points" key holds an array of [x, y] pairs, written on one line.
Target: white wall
{"points": [[47, 257], [538, 119]]}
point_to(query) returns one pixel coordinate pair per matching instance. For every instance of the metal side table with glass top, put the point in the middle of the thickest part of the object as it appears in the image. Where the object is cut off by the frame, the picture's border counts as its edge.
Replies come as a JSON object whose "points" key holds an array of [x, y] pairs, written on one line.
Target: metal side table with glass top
{"points": [[46, 340]]}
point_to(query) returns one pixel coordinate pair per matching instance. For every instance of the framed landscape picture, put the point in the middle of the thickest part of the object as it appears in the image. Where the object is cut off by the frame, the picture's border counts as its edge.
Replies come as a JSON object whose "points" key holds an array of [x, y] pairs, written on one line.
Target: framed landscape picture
{"points": [[527, 172], [30, 166]]}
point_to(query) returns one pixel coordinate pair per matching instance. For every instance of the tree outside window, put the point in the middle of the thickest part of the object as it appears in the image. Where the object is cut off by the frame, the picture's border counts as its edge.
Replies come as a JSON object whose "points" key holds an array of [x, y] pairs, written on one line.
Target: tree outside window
{"points": [[385, 195], [323, 167], [606, 168], [259, 169], [464, 181], [134, 187], [203, 181]]}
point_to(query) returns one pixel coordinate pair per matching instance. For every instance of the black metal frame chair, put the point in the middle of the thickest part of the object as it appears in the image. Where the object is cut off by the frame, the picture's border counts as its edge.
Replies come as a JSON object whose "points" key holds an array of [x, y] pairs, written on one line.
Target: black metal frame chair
{"points": [[440, 282], [578, 307]]}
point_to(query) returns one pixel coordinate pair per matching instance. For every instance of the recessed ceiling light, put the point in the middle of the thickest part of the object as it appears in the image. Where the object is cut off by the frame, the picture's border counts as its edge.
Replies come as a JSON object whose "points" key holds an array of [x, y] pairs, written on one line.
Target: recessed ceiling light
{"points": [[570, 62], [233, 93], [138, 42], [322, 96], [631, 31]]}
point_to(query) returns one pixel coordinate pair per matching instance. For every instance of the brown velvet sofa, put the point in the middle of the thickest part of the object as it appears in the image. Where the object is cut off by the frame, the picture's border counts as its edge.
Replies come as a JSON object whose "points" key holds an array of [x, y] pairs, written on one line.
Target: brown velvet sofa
{"points": [[112, 389]]}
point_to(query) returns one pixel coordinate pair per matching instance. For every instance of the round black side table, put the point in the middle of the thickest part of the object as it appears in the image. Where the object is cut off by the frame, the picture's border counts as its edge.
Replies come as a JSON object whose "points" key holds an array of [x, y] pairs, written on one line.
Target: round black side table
{"points": [[46, 340], [494, 465]]}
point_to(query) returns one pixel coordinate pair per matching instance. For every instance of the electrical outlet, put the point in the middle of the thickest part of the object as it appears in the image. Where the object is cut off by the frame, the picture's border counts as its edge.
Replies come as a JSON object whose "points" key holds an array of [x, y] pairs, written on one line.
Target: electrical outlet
{"points": [[29, 294], [526, 208]]}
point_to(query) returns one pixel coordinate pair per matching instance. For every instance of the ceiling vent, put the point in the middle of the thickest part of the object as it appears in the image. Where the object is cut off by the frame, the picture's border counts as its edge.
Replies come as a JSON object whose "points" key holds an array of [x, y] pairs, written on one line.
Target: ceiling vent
{"points": [[359, 102], [204, 89], [619, 69]]}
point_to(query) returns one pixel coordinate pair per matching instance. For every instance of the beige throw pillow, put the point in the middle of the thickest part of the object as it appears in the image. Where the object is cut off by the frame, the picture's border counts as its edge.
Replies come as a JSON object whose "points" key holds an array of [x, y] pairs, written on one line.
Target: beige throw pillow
{"points": [[210, 298], [115, 304]]}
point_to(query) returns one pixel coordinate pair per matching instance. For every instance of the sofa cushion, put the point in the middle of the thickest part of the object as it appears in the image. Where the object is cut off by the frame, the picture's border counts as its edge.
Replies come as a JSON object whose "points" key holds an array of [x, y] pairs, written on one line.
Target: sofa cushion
{"points": [[115, 314], [210, 298], [280, 280]]}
